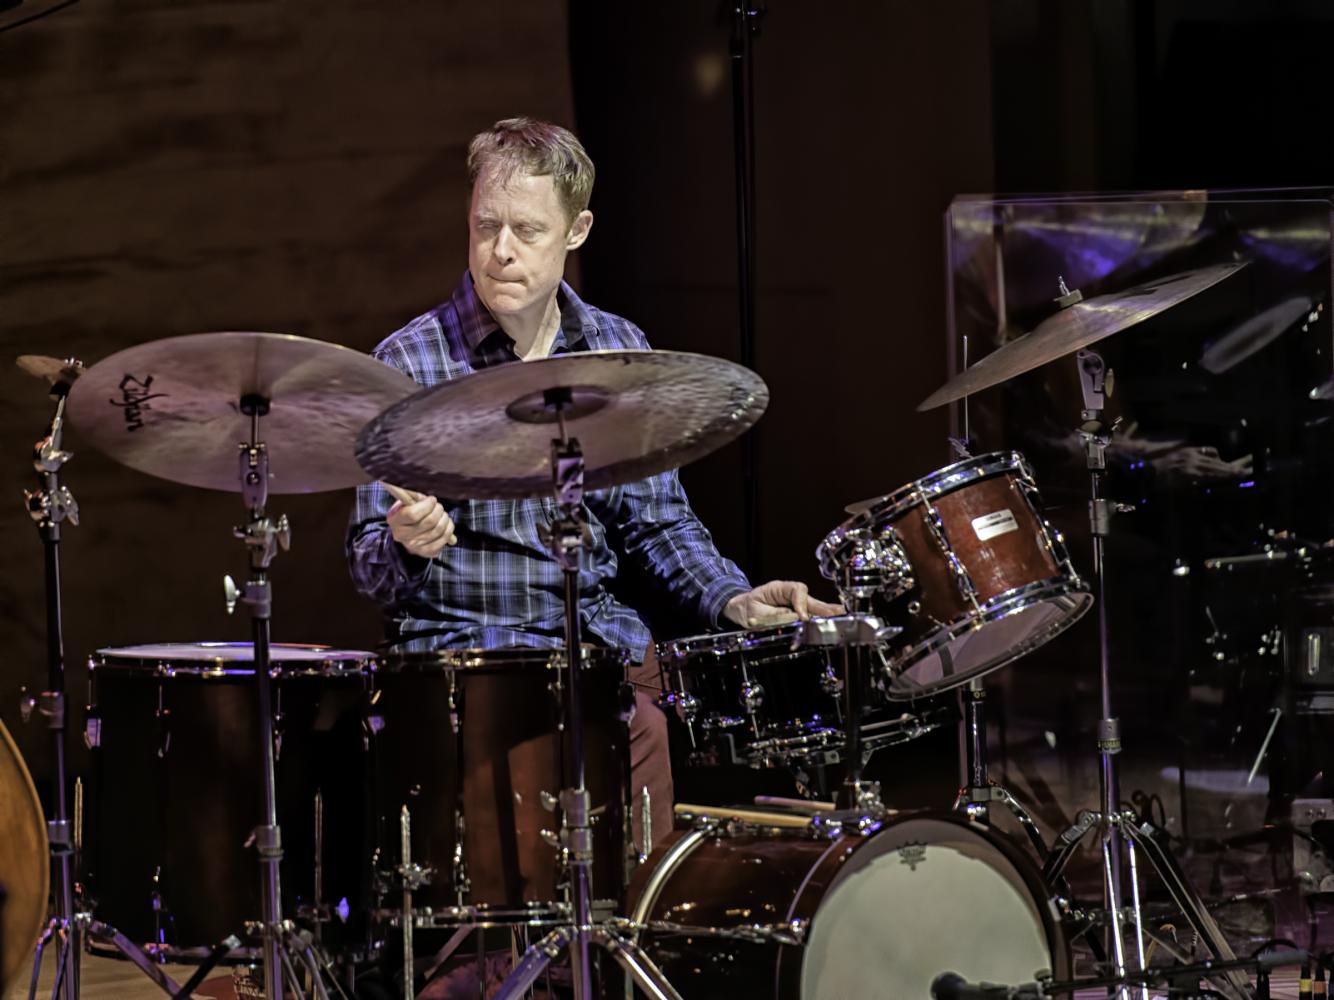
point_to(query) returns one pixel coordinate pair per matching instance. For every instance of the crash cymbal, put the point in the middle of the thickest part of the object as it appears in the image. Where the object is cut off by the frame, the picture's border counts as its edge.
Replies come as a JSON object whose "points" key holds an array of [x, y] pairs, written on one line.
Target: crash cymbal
{"points": [[1076, 327], [635, 413], [52, 369], [172, 408]]}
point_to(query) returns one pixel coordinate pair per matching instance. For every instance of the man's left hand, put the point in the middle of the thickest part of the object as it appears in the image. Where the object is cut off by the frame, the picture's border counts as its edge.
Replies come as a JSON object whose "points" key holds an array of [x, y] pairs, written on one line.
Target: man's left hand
{"points": [[774, 603]]}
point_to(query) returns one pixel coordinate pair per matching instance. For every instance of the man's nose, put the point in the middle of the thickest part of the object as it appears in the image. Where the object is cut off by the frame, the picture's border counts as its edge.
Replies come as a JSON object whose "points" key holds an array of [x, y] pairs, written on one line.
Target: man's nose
{"points": [[504, 246]]}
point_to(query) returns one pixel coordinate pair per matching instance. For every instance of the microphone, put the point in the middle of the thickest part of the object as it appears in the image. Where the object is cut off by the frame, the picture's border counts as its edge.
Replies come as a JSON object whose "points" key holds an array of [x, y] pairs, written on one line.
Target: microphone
{"points": [[952, 986]]}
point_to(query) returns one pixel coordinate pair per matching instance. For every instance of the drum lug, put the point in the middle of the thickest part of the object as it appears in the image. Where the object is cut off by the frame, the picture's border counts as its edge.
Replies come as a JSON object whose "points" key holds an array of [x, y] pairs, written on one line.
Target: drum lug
{"points": [[549, 801], [752, 696]]}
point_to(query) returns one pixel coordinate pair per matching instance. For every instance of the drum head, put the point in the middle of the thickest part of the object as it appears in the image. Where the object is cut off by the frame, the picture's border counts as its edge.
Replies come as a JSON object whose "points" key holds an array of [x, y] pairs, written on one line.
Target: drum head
{"points": [[219, 659], [956, 654], [923, 897]]}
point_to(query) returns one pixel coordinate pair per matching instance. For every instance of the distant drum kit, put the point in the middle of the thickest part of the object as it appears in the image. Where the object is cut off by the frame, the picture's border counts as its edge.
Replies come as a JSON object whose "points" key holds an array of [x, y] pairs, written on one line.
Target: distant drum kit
{"points": [[389, 795]]}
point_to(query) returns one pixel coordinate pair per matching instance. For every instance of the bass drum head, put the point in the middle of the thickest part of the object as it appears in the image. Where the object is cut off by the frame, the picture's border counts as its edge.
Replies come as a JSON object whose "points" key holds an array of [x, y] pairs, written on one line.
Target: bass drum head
{"points": [[927, 896]]}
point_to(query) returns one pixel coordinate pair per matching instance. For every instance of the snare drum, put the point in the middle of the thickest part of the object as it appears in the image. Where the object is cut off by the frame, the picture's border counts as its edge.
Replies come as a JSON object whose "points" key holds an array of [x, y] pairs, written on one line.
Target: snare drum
{"points": [[178, 778], [469, 741], [814, 913], [759, 699], [990, 580]]}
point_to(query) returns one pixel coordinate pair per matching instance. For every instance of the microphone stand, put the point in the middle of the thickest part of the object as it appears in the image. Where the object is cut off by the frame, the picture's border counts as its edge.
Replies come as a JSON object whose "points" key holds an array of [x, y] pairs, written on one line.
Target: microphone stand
{"points": [[746, 17]]}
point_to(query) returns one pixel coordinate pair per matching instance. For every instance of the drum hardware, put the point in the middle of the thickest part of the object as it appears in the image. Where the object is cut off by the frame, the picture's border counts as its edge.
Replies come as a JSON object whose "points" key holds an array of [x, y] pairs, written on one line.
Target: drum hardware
{"points": [[48, 506]]}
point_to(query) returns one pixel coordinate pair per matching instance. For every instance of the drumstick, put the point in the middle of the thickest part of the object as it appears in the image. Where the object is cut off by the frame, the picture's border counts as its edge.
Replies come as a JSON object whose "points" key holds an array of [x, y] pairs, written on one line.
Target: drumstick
{"points": [[796, 805], [400, 494], [755, 816]]}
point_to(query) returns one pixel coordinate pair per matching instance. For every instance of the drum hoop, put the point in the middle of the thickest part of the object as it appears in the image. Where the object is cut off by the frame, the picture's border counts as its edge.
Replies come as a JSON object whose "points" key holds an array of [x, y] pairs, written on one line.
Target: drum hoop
{"points": [[679, 652], [956, 476], [664, 870], [339, 662], [451, 660], [1001, 606]]}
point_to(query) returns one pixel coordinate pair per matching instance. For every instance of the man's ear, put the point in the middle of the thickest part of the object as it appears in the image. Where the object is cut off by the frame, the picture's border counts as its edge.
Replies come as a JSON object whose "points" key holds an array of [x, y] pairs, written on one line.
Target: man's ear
{"points": [[583, 222]]}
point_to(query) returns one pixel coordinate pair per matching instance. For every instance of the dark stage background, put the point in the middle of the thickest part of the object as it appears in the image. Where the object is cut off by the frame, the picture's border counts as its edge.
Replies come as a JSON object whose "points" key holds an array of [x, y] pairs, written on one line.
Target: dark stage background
{"points": [[169, 167]]}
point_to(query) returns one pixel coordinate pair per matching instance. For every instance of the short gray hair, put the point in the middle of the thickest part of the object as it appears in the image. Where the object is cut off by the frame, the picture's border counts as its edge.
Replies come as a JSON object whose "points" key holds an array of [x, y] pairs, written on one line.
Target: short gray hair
{"points": [[539, 149]]}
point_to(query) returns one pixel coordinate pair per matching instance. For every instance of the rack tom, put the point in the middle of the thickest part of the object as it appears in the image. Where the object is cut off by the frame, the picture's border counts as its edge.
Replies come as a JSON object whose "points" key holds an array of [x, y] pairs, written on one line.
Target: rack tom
{"points": [[987, 578]]}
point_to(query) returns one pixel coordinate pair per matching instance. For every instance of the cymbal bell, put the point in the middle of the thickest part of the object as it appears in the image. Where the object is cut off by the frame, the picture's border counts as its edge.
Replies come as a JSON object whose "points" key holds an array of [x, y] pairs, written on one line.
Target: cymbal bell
{"points": [[1076, 327], [488, 435], [172, 408]]}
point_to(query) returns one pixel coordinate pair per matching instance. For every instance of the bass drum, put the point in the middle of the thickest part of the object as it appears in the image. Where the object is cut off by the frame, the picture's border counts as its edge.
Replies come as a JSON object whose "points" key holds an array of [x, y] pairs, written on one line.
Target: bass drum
{"points": [[812, 914]]}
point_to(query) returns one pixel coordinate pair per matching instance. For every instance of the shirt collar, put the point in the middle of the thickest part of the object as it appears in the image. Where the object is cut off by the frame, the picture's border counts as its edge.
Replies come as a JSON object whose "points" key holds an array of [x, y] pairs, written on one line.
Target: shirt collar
{"points": [[476, 324]]}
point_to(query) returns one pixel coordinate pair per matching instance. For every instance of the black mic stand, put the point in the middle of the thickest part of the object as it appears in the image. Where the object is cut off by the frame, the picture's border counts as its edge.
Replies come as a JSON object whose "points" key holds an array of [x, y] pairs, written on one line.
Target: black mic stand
{"points": [[746, 16], [49, 505], [576, 835]]}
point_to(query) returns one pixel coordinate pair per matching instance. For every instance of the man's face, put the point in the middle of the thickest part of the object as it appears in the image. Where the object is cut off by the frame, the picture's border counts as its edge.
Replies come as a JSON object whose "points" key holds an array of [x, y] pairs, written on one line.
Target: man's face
{"points": [[518, 236]]}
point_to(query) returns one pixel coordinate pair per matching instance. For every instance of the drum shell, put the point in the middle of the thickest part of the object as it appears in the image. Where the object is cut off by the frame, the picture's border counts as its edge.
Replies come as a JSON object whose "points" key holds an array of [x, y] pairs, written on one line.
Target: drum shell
{"points": [[177, 788], [506, 752], [767, 877]]}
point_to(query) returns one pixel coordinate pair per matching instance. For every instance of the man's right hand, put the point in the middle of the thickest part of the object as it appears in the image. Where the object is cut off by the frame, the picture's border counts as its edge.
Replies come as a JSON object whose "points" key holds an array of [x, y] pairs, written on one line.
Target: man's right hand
{"points": [[419, 523]]}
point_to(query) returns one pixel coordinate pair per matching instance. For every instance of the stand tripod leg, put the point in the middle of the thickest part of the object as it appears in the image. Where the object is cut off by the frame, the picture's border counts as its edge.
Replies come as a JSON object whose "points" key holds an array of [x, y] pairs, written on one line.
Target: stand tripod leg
{"points": [[1186, 899], [633, 960], [1111, 888], [37, 958], [99, 931], [533, 963]]}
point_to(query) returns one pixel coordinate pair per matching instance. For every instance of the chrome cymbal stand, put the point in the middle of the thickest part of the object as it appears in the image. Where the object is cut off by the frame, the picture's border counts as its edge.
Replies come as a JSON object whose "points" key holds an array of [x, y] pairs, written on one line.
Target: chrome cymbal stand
{"points": [[567, 542], [49, 505], [1121, 830], [263, 536]]}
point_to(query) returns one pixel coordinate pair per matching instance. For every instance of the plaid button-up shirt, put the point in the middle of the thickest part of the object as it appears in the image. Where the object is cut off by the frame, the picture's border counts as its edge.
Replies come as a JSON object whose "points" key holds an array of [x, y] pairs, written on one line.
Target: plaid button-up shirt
{"points": [[499, 586]]}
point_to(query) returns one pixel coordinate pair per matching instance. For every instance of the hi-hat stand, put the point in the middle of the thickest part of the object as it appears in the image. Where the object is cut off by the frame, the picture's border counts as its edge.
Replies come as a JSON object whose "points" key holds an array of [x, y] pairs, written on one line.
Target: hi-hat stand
{"points": [[49, 505], [1121, 831], [567, 542]]}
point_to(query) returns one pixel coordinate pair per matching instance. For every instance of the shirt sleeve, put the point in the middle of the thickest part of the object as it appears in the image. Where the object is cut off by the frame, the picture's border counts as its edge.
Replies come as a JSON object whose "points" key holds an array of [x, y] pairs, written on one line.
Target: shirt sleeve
{"points": [[381, 569], [651, 523]]}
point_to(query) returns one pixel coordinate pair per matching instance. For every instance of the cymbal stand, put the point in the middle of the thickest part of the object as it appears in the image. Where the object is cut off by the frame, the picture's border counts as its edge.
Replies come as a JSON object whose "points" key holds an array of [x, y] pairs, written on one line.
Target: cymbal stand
{"points": [[49, 505], [1121, 830], [263, 537], [567, 541]]}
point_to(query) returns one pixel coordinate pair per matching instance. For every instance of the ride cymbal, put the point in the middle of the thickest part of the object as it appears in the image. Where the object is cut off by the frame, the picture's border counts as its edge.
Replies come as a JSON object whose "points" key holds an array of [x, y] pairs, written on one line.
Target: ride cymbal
{"points": [[489, 434]]}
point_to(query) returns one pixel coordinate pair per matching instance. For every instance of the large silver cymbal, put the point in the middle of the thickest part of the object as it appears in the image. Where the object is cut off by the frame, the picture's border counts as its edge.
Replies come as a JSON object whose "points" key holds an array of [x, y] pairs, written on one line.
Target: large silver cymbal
{"points": [[1076, 327], [172, 408], [634, 413]]}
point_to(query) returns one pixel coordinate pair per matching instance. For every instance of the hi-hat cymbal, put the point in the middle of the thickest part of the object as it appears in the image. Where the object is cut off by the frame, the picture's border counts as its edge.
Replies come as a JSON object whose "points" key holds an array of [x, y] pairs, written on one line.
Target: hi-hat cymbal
{"points": [[1076, 327], [634, 413], [172, 408]]}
